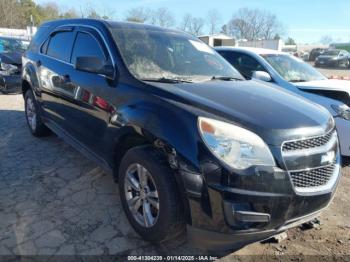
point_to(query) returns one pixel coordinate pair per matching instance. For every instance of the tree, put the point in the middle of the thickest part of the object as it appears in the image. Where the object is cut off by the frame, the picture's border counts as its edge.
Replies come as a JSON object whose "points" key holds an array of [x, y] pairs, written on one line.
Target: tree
{"points": [[185, 23], [21, 13], [253, 24], [326, 40], [213, 20], [138, 15], [162, 17], [71, 13], [277, 37], [290, 41], [9, 15], [49, 11], [93, 15], [224, 30], [192, 25]]}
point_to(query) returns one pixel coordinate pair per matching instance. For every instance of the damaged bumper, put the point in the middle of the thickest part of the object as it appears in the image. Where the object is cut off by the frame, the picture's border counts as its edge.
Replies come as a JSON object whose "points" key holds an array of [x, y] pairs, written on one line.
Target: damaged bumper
{"points": [[10, 83], [229, 210]]}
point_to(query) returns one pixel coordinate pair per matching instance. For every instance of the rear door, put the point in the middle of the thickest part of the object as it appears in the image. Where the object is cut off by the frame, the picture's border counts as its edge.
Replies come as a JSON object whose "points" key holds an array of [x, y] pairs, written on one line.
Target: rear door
{"points": [[53, 70]]}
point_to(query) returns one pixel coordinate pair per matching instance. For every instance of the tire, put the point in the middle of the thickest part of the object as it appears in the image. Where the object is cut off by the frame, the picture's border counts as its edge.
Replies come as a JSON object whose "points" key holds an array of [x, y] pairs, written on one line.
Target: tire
{"points": [[167, 222], [33, 116], [347, 64], [3, 90]]}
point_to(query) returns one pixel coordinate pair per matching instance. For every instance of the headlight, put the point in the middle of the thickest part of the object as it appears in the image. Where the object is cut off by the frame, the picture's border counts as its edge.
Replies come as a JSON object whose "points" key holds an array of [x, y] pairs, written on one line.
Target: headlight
{"points": [[237, 147], [342, 110]]}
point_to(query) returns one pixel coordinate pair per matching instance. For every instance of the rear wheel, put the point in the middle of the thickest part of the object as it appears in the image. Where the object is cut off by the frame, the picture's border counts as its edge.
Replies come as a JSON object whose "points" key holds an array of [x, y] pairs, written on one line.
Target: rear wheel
{"points": [[347, 63], [33, 116], [149, 195]]}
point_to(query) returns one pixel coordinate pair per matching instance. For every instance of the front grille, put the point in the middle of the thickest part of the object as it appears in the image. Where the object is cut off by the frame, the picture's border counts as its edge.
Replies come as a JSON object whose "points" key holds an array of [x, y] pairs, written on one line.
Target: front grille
{"points": [[312, 178], [307, 143], [312, 163]]}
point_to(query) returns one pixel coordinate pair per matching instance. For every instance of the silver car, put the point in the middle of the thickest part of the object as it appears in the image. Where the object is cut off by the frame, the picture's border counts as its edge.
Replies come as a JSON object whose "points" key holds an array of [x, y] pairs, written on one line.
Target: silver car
{"points": [[293, 74]]}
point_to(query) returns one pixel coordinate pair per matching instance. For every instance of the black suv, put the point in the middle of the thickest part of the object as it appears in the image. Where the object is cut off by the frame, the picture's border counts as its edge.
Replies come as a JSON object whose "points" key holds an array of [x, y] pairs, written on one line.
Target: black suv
{"points": [[188, 139]]}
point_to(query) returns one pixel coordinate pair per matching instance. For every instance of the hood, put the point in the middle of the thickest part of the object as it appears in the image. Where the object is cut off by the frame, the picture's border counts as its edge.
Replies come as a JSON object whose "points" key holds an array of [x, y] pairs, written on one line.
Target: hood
{"points": [[14, 58], [272, 113], [326, 85]]}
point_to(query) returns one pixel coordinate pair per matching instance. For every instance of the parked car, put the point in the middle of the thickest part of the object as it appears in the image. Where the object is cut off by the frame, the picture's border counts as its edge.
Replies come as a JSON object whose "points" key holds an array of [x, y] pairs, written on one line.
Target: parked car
{"points": [[333, 58], [292, 74], [315, 53], [187, 138], [11, 51], [303, 55]]}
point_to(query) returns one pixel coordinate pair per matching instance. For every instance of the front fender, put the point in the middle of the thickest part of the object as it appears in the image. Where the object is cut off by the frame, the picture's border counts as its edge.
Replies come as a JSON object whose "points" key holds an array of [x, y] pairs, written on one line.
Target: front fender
{"points": [[173, 126]]}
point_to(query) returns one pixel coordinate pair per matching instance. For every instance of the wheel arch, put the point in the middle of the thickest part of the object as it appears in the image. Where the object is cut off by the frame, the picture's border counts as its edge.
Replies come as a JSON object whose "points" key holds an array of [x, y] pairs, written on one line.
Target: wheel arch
{"points": [[29, 79], [166, 131]]}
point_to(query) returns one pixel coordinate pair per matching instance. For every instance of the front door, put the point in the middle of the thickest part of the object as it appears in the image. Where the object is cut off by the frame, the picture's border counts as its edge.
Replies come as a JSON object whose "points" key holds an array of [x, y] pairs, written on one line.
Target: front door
{"points": [[84, 109]]}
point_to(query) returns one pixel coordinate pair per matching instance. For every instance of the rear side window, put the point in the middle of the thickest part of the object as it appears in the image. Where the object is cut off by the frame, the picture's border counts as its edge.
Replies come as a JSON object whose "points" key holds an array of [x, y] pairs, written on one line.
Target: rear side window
{"points": [[44, 47], [87, 46], [60, 46]]}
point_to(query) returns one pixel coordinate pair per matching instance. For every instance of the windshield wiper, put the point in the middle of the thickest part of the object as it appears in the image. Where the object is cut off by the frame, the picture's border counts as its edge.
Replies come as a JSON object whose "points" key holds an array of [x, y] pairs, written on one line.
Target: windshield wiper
{"points": [[167, 80], [297, 80], [226, 78]]}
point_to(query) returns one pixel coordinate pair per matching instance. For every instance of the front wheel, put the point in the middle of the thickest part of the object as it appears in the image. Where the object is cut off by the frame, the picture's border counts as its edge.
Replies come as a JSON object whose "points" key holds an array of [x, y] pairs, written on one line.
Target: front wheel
{"points": [[149, 195], [33, 116]]}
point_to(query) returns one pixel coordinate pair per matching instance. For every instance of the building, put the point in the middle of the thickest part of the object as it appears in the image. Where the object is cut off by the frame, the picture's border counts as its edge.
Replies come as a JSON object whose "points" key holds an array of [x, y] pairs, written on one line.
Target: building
{"points": [[274, 44], [217, 40], [23, 34]]}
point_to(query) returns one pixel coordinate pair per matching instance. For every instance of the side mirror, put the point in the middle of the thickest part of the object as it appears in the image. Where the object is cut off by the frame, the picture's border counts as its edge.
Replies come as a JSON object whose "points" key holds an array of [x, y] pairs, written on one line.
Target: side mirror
{"points": [[261, 75], [94, 65]]}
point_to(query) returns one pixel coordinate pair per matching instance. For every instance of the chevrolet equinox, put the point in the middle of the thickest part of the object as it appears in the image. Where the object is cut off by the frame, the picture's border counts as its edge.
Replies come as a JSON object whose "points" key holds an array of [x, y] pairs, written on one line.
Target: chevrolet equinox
{"points": [[193, 146]]}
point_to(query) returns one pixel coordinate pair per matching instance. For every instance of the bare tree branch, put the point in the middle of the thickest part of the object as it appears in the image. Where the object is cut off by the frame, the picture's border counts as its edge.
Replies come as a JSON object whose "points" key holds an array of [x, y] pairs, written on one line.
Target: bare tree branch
{"points": [[162, 17], [252, 24], [138, 15], [213, 20], [192, 25]]}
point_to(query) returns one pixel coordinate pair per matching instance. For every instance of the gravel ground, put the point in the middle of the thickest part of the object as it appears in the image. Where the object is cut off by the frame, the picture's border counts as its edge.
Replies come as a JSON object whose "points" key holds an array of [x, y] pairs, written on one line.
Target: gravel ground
{"points": [[330, 71], [53, 201]]}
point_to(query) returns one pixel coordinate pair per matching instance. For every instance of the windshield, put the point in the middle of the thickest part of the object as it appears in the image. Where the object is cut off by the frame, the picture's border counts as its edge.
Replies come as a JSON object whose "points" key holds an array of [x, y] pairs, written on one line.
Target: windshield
{"points": [[154, 54], [331, 52], [293, 69], [12, 45]]}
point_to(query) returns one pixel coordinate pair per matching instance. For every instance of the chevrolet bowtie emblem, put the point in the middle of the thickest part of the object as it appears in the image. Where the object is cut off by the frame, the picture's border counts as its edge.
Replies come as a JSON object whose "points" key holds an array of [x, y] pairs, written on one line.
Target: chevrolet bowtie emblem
{"points": [[328, 158]]}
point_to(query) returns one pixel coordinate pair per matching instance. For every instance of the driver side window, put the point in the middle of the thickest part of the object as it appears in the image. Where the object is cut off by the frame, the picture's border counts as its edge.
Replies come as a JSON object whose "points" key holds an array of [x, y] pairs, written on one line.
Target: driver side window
{"points": [[86, 46], [245, 64]]}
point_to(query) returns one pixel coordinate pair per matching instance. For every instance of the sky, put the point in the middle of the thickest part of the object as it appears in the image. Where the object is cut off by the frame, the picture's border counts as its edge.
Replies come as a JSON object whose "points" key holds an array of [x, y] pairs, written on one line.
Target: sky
{"points": [[306, 21]]}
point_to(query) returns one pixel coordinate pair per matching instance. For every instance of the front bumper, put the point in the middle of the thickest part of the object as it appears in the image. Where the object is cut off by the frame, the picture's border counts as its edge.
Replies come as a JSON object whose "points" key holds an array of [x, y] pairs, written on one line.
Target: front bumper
{"points": [[331, 63], [10, 83], [219, 241], [231, 209]]}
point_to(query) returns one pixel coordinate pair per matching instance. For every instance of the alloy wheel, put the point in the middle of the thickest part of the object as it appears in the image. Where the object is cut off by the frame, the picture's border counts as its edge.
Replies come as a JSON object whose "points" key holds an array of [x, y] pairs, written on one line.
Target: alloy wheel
{"points": [[31, 113], [141, 195]]}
